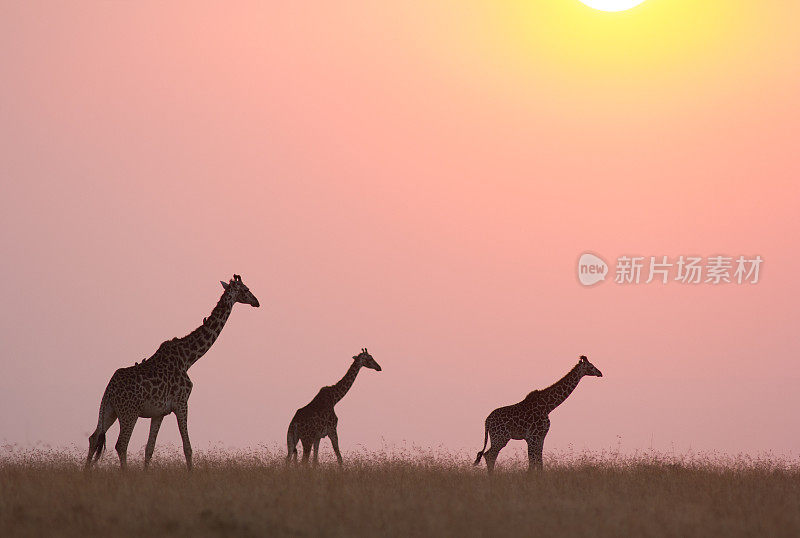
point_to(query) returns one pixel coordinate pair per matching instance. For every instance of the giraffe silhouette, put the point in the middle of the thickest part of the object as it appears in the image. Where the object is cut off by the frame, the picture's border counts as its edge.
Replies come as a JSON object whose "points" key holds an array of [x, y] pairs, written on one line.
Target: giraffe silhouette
{"points": [[317, 419], [529, 418], [160, 385]]}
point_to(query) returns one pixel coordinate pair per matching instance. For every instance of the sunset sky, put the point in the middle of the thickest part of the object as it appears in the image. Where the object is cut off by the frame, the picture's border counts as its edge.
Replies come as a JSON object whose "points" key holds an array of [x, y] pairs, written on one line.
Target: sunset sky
{"points": [[415, 177]]}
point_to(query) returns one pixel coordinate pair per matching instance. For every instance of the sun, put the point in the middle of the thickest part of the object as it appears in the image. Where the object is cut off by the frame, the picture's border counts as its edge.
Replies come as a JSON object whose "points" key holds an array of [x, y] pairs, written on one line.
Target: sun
{"points": [[612, 5]]}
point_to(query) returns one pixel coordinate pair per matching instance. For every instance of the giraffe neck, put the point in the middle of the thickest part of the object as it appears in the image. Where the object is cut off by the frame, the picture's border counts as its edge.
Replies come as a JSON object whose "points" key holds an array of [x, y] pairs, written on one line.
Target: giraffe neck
{"points": [[344, 384], [555, 394], [195, 344]]}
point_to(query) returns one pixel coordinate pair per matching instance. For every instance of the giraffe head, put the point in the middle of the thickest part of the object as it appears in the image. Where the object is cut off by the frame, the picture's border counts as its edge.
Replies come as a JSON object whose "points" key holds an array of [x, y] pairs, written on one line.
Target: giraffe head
{"points": [[366, 360], [241, 293], [587, 368]]}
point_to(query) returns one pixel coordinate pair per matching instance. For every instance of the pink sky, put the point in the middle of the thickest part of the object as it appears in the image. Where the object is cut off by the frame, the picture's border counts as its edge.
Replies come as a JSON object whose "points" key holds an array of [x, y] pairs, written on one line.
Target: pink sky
{"points": [[416, 179]]}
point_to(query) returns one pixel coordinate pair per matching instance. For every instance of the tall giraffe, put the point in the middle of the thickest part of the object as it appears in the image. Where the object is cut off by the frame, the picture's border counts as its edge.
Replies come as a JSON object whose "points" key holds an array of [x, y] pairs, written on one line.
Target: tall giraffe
{"points": [[317, 419], [160, 385], [529, 419]]}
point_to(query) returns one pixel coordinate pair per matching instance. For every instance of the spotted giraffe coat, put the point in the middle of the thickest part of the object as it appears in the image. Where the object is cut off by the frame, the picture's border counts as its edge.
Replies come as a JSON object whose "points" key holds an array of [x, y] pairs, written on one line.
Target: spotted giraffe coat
{"points": [[160, 384], [529, 419], [316, 420]]}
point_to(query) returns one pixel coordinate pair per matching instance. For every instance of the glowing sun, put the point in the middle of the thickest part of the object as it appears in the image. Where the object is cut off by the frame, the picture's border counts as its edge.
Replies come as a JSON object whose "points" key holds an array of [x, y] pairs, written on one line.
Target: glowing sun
{"points": [[612, 5]]}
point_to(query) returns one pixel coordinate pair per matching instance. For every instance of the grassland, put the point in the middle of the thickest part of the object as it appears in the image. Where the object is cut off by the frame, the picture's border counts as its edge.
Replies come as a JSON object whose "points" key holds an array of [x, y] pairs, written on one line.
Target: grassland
{"points": [[243, 493]]}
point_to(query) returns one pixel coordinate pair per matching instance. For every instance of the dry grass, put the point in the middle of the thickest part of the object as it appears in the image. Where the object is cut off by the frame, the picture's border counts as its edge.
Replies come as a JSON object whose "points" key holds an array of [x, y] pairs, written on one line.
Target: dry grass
{"points": [[252, 493]]}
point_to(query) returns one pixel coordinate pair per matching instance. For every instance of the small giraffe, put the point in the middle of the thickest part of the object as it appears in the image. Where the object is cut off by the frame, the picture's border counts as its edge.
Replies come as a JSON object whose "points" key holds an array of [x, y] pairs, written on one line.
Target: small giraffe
{"points": [[317, 419], [529, 419], [160, 385]]}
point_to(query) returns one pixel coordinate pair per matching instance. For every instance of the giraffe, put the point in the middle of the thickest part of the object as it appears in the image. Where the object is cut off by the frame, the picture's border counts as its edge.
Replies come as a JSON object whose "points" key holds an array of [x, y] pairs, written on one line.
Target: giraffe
{"points": [[529, 419], [160, 385], [317, 419]]}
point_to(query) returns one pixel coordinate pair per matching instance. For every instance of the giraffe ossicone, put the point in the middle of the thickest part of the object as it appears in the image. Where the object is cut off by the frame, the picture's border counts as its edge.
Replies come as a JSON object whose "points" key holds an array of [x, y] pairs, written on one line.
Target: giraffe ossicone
{"points": [[529, 419], [160, 385]]}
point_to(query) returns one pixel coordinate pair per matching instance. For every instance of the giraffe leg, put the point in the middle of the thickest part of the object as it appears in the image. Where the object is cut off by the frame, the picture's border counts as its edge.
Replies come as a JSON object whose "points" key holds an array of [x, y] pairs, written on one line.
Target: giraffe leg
{"points": [[334, 437], [126, 425], [306, 450], [182, 413], [155, 424], [536, 443], [491, 455], [535, 448], [316, 451]]}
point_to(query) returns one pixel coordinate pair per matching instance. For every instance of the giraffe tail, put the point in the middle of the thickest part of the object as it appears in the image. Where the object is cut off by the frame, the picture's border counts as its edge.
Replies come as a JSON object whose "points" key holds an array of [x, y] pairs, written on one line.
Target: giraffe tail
{"points": [[485, 440], [101, 446], [291, 441], [99, 434]]}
